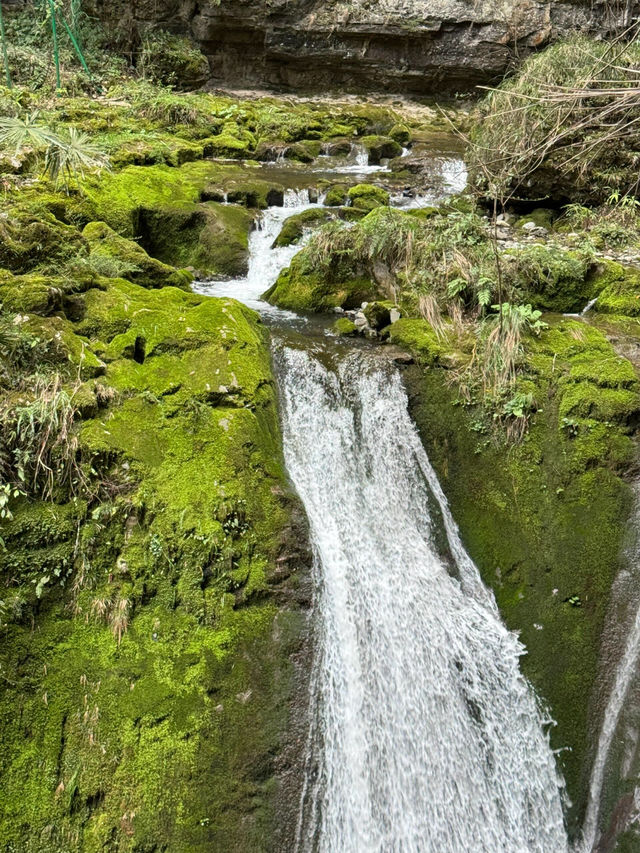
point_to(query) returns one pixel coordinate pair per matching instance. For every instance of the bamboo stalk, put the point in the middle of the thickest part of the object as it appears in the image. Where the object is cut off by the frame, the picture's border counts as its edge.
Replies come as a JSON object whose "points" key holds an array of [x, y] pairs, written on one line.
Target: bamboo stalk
{"points": [[5, 56], [54, 33]]}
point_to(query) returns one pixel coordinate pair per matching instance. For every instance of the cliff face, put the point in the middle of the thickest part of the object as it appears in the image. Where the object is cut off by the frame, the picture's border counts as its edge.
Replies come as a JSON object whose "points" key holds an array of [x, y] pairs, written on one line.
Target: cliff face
{"points": [[416, 46]]}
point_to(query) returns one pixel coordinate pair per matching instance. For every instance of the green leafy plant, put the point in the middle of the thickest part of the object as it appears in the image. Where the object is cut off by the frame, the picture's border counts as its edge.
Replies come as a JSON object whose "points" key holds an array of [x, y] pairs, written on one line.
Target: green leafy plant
{"points": [[63, 157]]}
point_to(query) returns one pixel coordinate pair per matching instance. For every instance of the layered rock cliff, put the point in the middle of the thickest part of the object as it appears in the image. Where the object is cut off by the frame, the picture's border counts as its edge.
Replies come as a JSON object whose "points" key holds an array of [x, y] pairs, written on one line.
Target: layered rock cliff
{"points": [[417, 46]]}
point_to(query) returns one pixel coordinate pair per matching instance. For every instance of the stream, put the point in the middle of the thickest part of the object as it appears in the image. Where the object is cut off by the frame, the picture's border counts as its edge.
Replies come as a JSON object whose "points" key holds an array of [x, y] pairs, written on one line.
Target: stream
{"points": [[424, 737]]}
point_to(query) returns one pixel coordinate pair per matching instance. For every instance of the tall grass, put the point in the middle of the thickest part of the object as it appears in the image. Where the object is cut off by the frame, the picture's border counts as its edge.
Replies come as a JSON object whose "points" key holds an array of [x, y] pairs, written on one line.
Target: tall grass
{"points": [[573, 109], [38, 443]]}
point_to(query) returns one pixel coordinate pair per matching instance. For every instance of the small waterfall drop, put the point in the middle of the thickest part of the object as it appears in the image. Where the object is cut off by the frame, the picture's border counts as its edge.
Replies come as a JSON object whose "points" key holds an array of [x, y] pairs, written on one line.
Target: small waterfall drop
{"points": [[425, 737]]}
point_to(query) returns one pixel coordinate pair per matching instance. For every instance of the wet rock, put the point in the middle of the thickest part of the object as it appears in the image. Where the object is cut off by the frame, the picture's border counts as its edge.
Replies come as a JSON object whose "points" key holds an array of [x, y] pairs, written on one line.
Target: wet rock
{"points": [[408, 45]]}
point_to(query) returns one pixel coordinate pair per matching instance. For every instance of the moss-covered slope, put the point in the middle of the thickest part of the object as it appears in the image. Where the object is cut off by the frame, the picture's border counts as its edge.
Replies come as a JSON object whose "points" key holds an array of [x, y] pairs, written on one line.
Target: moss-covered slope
{"points": [[148, 624]]}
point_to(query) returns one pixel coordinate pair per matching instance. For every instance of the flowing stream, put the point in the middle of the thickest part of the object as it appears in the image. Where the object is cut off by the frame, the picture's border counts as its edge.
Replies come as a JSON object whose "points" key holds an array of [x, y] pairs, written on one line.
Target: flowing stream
{"points": [[424, 737]]}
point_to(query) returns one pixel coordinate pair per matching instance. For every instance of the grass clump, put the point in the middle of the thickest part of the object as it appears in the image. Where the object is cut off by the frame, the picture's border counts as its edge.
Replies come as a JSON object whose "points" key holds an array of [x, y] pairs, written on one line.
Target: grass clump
{"points": [[564, 127]]}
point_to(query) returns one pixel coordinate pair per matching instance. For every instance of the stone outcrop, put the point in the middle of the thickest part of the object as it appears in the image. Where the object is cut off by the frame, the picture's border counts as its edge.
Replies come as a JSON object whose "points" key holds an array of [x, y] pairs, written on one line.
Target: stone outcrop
{"points": [[413, 46]]}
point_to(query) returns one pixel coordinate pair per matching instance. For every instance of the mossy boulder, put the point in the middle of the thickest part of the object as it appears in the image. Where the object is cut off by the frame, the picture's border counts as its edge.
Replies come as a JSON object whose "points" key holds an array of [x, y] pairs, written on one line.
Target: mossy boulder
{"points": [[378, 313], [211, 238], [541, 217], [154, 149], [148, 636], [367, 196], [419, 338], [552, 279], [380, 148], [618, 288], [294, 227], [303, 152], [336, 195], [401, 134], [300, 289], [31, 235], [35, 293], [136, 265], [345, 327]]}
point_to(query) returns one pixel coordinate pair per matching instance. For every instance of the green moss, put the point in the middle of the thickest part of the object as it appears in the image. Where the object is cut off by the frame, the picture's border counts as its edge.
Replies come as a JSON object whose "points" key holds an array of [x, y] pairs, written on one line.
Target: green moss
{"points": [[293, 228], [378, 313], [336, 195], [367, 196], [418, 337], [299, 289], [303, 152], [153, 686], [39, 294], [211, 238], [542, 217], [401, 134], [139, 267], [380, 147], [31, 235], [343, 326], [619, 289], [552, 279]]}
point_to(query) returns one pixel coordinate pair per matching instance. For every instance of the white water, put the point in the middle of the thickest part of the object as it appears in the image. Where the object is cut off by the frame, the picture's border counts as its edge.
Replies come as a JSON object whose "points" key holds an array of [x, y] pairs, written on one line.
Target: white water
{"points": [[265, 263], [425, 737]]}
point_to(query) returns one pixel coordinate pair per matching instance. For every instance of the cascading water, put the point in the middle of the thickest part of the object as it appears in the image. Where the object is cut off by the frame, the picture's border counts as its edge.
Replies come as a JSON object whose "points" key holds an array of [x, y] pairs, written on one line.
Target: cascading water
{"points": [[425, 737], [265, 263]]}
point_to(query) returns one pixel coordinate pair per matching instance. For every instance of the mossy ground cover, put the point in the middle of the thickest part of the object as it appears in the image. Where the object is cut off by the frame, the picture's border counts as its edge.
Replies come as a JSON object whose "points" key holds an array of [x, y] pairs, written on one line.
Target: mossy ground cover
{"points": [[147, 679], [148, 616]]}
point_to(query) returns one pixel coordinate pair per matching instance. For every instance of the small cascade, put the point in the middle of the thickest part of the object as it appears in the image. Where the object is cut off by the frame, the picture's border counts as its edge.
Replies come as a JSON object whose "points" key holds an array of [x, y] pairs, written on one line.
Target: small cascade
{"points": [[588, 306], [361, 155], [296, 198], [425, 737], [265, 262]]}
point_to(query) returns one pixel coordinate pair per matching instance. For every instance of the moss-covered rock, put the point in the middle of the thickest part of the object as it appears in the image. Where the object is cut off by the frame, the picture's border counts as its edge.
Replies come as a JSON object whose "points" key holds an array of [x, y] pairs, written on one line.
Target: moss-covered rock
{"points": [[211, 238], [618, 288], [31, 235], [147, 637], [552, 279], [401, 134], [300, 289], [380, 147], [367, 196], [336, 195], [293, 228], [378, 313], [136, 264], [345, 327]]}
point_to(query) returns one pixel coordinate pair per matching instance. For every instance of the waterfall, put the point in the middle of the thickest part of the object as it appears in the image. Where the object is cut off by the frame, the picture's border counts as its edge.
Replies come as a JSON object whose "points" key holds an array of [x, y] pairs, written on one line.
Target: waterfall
{"points": [[424, 736]]}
